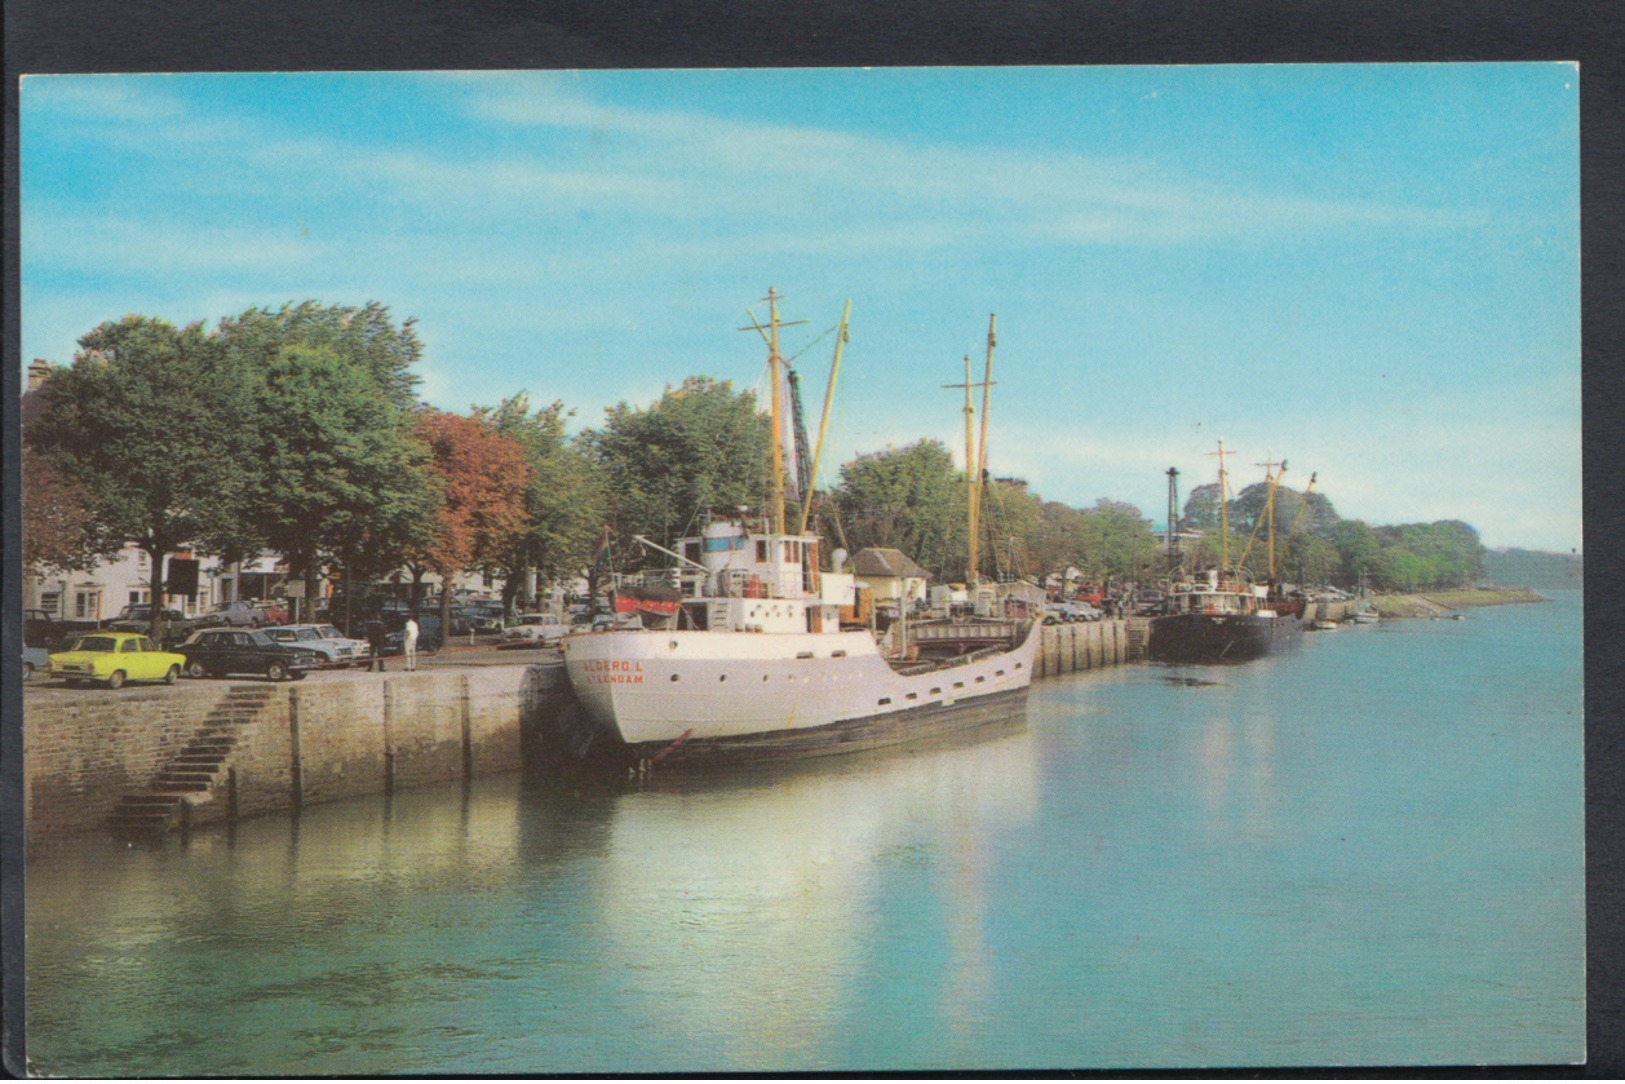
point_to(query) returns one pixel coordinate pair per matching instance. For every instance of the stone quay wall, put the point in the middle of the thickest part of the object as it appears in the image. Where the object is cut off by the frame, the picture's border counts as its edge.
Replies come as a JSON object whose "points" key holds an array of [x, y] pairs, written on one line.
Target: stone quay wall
{"points": [[295, 744], [1083, 646]]}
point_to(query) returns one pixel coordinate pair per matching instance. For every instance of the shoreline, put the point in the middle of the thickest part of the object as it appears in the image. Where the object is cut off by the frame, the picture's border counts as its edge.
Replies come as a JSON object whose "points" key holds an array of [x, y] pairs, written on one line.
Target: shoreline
{"points": [[1439, 603]]}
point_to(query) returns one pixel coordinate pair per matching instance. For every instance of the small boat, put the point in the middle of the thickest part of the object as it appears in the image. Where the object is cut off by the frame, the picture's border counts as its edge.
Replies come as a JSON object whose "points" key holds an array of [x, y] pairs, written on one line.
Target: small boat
{"points": [[1365, 617], [1324, 626]]}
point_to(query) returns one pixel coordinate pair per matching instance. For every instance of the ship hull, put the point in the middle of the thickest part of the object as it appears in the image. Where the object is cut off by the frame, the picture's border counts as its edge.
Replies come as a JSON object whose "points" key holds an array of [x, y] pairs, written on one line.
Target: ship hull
{"points": [[1211, 638], [711, 696]]}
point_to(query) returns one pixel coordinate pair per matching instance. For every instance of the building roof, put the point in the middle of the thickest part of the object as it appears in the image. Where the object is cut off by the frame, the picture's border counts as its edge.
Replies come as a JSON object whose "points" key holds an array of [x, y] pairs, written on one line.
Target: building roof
{"points": [[880, 561]]}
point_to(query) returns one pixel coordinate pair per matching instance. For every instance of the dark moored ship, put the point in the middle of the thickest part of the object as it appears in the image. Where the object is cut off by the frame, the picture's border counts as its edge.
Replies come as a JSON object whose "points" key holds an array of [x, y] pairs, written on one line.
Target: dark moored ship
{"points": [[1212, 619], [1220, 615]]}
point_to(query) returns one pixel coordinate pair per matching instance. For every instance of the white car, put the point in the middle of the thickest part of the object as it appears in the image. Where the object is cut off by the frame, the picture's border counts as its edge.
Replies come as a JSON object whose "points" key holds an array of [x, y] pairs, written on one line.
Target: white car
{"points": [[333, 646], [541, 629]]}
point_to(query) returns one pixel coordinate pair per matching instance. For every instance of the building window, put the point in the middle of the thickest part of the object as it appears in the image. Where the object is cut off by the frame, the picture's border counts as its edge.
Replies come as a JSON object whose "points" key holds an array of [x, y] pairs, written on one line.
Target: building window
{"points": [[137, 597], [87, 605], [51, 603]]}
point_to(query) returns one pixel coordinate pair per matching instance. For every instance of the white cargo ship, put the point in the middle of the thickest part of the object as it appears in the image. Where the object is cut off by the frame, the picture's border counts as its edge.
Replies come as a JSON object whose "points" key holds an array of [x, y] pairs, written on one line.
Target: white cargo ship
{"points": [[743, 652], [748, 657]]}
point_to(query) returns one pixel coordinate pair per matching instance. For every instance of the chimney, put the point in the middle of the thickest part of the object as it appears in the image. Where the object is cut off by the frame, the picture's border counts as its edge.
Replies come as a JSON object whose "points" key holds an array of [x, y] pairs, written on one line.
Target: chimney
{"points": [[39, 370]]}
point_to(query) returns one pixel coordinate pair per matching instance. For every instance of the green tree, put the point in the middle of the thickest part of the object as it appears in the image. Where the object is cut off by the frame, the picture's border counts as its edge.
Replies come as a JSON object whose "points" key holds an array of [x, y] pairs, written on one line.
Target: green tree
{"points": [[1309, 558], [564, 502], [367, 337], [910, 499], [1118, 542], [1202, 508], [153, 422], [701, 447]]}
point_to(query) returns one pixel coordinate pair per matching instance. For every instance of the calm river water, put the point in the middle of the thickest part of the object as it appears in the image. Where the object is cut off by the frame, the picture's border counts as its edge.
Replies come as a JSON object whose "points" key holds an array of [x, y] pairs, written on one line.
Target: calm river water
{"points": [[1365, 852]]}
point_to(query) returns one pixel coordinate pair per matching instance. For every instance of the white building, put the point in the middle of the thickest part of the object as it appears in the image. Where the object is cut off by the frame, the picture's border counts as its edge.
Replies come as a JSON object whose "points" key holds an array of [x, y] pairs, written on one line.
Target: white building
{"points": [[100, 593]]}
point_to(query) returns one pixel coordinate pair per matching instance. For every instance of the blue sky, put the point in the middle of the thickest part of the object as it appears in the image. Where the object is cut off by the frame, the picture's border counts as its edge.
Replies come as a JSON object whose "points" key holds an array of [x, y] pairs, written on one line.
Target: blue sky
{"points": [[1370, 270]]}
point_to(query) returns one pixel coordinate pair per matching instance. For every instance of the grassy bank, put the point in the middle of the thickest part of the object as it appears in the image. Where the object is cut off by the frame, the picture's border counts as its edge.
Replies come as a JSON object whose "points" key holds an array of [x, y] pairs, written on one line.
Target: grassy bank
{"points": [[1435, 603]]}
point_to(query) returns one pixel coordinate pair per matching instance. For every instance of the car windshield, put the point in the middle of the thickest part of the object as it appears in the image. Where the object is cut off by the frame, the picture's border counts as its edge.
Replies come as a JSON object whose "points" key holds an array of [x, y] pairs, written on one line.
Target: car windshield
{"points": [[96, 643], [309, 634], [259, 639], [286, 636], [331, 632]]}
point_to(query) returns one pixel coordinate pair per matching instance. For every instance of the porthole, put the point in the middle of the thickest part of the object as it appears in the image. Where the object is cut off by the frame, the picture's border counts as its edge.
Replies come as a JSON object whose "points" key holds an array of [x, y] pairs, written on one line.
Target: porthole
{"points": [[937, 691], [839, 653], [764, 677], [980, 679], [885, 700], [722, 677], [912, 696], [804, 654], [998, 673], [674, 677], [1018, 666], [959, 684]]}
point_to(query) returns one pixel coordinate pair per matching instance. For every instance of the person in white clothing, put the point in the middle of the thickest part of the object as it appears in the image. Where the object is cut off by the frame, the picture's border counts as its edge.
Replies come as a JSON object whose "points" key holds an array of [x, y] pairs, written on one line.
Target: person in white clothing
{"points": [[410, 639]]}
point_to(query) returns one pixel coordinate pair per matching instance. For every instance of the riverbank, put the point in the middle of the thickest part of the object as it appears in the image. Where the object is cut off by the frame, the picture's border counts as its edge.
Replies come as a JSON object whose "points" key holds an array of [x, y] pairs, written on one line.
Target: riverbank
{"points": [[158, 757], [1440, 603]]}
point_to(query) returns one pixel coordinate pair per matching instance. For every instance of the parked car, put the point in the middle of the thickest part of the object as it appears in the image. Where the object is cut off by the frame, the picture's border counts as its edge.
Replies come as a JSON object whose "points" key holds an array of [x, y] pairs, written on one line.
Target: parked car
{"points": [[36, 660], [215, 652], [112, 658], [540, 629], [137, 617], [335, 648], [484, 616], [42, 630], [236, 613], [274, 611]]}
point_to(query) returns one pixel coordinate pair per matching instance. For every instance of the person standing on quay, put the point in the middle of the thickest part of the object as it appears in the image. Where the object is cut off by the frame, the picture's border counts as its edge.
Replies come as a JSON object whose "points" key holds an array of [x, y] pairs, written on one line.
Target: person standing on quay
{"points": [[376, 640], [411, 641]]}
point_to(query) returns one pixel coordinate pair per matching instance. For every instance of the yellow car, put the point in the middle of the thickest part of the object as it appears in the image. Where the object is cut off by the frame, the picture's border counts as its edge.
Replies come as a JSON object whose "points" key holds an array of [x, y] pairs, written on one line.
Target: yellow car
{"points": [[113, 658]]}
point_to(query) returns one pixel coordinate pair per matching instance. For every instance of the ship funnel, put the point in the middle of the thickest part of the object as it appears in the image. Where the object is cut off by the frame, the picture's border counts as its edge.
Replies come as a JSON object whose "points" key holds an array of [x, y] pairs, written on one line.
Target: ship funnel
{"points": [[837, 559]]}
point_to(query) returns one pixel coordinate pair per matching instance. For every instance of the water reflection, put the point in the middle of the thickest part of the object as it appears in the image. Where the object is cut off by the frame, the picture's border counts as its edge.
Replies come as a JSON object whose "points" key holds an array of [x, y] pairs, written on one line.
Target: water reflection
{"points": [[772, 883]]}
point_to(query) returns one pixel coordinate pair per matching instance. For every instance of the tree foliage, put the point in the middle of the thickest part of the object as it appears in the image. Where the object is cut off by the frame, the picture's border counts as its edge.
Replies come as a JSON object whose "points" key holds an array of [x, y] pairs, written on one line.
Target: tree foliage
{"points": [[60, 532], [482, 479], [700, 447], [154, 423], [564, 501], [909, 499]]}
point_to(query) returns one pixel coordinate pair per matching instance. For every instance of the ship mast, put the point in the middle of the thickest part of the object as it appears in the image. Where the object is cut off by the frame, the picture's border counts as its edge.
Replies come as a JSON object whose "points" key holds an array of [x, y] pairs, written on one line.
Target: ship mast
{"points": [[976, 458], [1173, 530], [775, 364], [823, 421], [981, 449], [1224, 515]]}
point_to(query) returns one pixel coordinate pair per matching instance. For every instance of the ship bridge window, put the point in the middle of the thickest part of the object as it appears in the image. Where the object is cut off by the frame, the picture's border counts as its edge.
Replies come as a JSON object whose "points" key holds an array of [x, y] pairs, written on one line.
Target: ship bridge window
{"points": [[804, 654], [883, 701], [761, 551], [838, 653]]}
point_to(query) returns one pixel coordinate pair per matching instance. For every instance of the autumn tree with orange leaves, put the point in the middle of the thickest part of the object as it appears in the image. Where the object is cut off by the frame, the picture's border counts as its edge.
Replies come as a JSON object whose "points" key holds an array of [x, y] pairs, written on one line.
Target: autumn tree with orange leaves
{"points": [[482, 476]]}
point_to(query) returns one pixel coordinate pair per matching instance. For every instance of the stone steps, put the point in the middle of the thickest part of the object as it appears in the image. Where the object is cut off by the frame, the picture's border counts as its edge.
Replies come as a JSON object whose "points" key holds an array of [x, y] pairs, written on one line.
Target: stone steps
{"points": [[193, 770]]}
